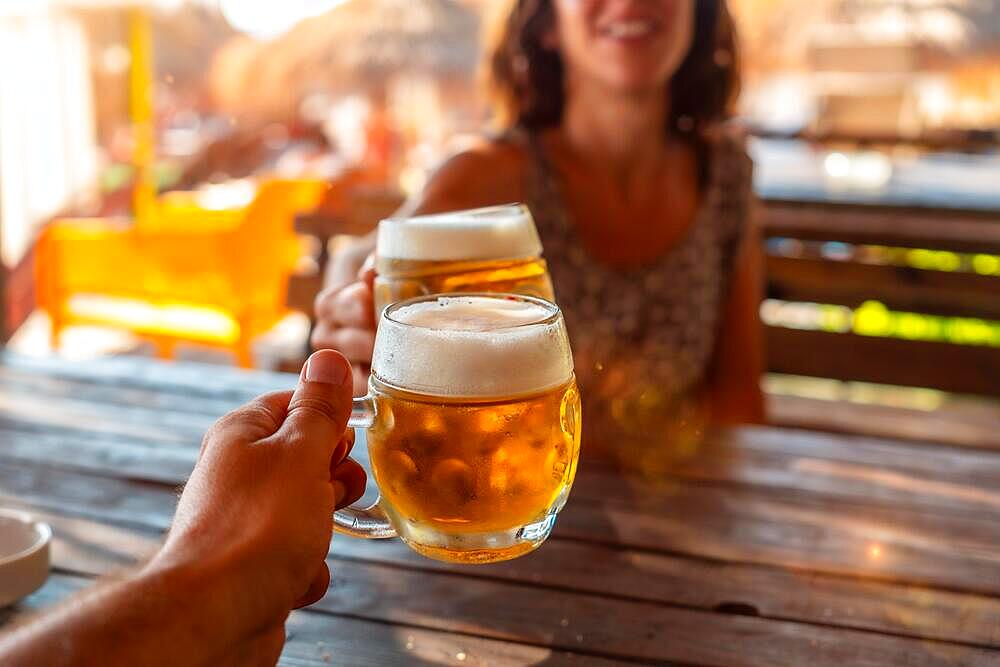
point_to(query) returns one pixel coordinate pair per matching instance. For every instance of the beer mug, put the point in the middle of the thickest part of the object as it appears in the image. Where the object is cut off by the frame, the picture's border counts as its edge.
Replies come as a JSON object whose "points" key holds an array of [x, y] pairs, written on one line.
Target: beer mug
{"points": [[473, 421], [493, 249]]}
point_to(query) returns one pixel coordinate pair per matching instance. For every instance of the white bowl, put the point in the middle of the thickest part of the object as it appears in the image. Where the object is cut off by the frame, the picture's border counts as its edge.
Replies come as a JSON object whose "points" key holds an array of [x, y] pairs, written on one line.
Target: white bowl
{"points": [[24, 555]]}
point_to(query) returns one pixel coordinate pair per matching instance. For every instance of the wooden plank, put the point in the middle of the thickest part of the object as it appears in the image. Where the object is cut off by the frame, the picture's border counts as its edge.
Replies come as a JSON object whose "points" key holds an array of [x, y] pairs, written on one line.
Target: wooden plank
{"points": [[322, 639], [346, 641], [956, 368], [28, 382], [859, 472], [639, 631], [976, 428], [144, 443], [723, 467], [965, 231], [730, 524], [447, 600], [193, 380], [166, 410], [716, 547], [551, 546], [898, 287], [729, 588], [865, 471], [927, 464], [41, 413], [738, 525], [101, 456], [84, 546]]}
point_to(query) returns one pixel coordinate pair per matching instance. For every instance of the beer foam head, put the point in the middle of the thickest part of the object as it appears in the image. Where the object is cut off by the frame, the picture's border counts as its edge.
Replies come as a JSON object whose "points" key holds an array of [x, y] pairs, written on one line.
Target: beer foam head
{"points": [[474, 346], [497, 232]]}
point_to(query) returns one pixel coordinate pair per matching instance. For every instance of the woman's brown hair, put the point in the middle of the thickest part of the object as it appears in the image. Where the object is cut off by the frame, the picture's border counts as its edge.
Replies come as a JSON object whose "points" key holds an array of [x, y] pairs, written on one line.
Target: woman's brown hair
{"points": [[525, 77]]}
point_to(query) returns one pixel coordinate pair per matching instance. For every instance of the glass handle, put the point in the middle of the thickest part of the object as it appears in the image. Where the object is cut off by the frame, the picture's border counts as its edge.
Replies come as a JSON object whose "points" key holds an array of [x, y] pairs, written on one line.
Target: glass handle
{"points": [[368, 522], [362, 413]]}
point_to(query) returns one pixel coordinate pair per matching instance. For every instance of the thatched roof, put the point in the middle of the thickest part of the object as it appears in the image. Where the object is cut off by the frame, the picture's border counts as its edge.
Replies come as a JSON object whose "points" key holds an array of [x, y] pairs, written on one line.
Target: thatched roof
{"points": [[380, 37], [358, 44]]}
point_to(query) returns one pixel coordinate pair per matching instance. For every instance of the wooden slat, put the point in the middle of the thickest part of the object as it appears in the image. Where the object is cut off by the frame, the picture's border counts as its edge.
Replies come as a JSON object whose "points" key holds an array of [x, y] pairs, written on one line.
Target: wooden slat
{"points": [[85, 546], [752, 462], [850, 532], [729, 524], [965, 231], [320, 639], [978, 428], [105, 396], [193, 380], [899, 288], [577, 559], [35, 412], [859, 480], [112, 394], [447, 600], [741, 525], [956, 368], [93, 405], [640, 631], [128, 440], [859, 471]]}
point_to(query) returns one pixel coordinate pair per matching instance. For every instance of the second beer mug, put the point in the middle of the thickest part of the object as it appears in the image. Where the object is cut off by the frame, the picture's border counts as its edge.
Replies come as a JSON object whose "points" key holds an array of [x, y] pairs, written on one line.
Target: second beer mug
{"points": [[493, 249], [473, 421]]}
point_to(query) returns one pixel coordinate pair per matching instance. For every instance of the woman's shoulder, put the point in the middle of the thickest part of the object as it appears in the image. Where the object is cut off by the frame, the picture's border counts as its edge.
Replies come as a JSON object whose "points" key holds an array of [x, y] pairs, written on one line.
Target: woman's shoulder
{"points": [[480, 172], [733, 165], [731, 193], [730, 139]]}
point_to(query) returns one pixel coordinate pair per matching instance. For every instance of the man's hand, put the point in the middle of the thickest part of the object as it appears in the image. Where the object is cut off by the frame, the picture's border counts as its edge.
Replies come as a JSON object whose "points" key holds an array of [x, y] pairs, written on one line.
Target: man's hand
{"points": [[261, 498], [248, 543]]}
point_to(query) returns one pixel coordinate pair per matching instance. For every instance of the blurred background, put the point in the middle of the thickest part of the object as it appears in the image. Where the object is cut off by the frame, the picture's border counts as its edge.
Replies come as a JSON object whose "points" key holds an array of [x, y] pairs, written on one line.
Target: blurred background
{"points": [[210, 154]]}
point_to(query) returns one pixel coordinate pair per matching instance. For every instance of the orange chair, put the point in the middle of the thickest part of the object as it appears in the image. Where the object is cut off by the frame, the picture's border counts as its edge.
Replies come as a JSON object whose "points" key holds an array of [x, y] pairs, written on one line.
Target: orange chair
{"points": [[213, 277]]}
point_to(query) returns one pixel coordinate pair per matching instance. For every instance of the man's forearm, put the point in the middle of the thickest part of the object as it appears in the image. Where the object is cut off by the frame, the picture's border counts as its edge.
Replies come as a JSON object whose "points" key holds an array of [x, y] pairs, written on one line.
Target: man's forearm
{"points": [[153, 616]]}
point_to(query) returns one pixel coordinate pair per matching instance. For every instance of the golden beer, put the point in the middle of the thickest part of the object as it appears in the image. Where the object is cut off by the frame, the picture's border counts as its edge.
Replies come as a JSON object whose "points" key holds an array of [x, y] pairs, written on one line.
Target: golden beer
{"points": [[465, 467], [473, 420], [493, 249]]}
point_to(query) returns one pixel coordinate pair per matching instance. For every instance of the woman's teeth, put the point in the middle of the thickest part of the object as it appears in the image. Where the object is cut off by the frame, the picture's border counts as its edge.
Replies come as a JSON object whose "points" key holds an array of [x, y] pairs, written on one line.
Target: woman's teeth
{"points": [[628, 29]]}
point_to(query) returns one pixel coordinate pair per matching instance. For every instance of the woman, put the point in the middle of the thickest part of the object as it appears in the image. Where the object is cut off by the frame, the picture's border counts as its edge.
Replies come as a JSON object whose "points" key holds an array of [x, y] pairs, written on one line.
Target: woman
{"points": [[615, 136]]}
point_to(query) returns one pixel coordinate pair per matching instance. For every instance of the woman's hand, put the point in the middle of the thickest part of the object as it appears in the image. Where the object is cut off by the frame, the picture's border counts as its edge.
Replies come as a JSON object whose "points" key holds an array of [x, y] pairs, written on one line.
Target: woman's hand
{"points": [[345, 318]]}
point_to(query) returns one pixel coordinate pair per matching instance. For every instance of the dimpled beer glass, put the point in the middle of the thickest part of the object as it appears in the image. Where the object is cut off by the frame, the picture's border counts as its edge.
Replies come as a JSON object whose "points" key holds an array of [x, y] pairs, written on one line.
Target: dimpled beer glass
{"points": [[473, 421], [493, 249]]}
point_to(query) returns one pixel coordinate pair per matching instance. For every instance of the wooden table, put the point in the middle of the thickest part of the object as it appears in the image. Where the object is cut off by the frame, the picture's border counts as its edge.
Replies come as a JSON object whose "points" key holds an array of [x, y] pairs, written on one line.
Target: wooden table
{"points": [[769, 547]]}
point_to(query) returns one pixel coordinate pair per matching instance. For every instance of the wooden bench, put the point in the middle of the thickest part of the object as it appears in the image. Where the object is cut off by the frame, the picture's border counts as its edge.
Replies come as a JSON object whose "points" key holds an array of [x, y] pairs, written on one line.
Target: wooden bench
{"points": [[807, 276]]}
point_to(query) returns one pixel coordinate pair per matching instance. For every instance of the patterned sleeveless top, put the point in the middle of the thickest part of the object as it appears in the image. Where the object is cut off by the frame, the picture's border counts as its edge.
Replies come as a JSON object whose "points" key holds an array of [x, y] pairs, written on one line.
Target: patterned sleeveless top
{"points": [[643, 337]]}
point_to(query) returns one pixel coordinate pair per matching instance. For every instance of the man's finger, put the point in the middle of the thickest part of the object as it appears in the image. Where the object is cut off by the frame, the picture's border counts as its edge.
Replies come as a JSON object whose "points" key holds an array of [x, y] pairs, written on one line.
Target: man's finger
{"points": [[321, 404], [351, 478], [317, 588], [256, 420]]}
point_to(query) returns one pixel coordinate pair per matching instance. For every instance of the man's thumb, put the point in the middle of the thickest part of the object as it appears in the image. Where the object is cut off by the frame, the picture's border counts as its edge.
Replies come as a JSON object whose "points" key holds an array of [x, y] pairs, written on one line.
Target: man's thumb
{"points": [[321, 404]]}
